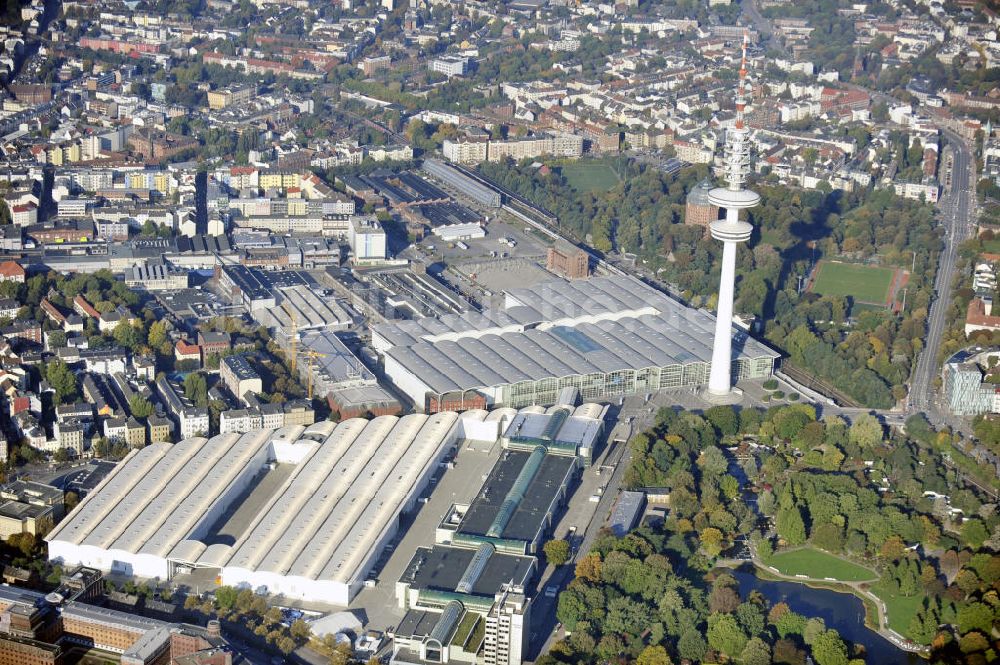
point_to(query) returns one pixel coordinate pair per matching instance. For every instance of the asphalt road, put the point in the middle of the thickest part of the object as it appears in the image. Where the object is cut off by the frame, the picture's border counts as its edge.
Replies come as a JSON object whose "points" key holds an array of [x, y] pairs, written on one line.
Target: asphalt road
{"points": [[956, 208]]}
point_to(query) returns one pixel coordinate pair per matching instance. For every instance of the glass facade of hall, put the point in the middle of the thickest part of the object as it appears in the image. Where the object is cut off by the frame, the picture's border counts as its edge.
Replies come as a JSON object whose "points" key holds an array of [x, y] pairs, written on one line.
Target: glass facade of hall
{"points": [[601, 385]]}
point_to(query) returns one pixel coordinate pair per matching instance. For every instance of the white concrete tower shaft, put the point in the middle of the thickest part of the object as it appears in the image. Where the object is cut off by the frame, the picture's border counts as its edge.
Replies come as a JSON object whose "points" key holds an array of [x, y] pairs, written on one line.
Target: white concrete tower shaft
{"points": [[731, 231]]}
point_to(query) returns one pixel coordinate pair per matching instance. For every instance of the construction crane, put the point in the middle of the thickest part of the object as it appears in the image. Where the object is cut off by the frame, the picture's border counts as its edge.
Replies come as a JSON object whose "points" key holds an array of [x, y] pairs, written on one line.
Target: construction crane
{"points": [[310, 356], [294, 335], [294, 351]]}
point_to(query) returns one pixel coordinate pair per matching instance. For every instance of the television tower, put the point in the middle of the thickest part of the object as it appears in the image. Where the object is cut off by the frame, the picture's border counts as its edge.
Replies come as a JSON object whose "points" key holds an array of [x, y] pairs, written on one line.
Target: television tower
{"points": [[734, 197]]}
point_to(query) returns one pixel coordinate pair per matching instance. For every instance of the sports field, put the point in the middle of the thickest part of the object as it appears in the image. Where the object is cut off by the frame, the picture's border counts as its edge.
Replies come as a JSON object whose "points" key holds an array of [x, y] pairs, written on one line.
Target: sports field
{"points": [[590, 176], [868, 284], [819, 565]]}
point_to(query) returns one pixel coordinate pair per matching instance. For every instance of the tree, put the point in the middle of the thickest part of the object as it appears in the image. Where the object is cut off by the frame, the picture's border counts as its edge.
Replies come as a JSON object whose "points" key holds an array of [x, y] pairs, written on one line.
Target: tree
{"points": [[225, 597], [70, 500], [196, 389], [813, 629], [791, 528], [300, 630], [829, 537], [725, 634], [711, 541], [725, 596], [62, 380], [557, 552], [654, 655], [790, 623], [974, 534], [588, 568], [975, 616], [57, 339], [127, 335], [756, 652], [140, 406], [723, 419], [157, 335], [866, 431], [829, 649], [25, 542], [691, 645]]}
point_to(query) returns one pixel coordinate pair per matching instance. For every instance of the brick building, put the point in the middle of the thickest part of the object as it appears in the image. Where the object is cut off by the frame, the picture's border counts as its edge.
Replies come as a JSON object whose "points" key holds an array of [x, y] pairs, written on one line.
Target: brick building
{"points": [[698, 211], [568, 261], [158, 146]]}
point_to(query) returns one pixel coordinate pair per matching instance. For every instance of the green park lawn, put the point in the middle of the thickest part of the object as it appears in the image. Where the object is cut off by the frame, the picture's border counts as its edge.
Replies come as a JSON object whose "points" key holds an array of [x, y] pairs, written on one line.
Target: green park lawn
{"points": [[820, 565], [900, 609], [590, 176], [868, 284], [992, 246]]}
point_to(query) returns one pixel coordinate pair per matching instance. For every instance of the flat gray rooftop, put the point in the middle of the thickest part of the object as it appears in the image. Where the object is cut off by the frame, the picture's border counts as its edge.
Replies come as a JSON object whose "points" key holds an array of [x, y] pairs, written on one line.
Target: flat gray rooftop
{"points": [[530, 513], [441, 568], [557, 328]]}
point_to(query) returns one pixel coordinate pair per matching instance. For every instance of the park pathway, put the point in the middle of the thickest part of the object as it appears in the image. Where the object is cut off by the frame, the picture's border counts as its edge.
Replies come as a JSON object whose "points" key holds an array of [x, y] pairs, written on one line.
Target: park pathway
{"points": [[858, 590]]}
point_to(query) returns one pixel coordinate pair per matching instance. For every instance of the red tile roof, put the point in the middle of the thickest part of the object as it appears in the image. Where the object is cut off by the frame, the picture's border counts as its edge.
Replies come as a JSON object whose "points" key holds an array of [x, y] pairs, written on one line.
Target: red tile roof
{"points": [[11, 269]]}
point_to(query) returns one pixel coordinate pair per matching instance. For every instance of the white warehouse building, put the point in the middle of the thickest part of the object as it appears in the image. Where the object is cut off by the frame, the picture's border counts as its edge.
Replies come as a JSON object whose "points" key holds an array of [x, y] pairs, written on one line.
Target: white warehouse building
{"points": [[303, 512]]}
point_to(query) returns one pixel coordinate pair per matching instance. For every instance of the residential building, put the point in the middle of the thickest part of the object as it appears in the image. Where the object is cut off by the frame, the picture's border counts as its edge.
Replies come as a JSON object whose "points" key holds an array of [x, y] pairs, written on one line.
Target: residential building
{"points": [[966, 392], [11, 271], [466, 149], [25, 214], [184, 350], [115, 429], [232, 96], [17, 518], [926, 190], [239, 376], [135, 433], [240, 420], [189, 419], [69, 434], [159, 428]]}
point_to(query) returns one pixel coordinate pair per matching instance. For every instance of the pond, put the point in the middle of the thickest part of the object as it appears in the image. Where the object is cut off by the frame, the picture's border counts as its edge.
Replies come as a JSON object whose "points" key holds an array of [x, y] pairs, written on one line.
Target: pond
{"points": [[842, 611]]}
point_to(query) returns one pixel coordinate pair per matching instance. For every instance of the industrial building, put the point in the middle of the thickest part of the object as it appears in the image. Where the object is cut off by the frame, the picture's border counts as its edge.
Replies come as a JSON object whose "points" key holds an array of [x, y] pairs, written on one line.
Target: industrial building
{"points": [[465, 185], [156, 277], [339, 375], [311, 533], [455, 232], [466, 595], [367, 239], [302, 308], [604, 336], [247, 286]]}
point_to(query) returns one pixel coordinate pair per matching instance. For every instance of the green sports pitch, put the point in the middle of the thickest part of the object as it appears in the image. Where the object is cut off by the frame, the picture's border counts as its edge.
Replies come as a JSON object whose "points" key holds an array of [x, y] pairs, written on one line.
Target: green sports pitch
{"points": [[866, 284], [591, 176], [819, 565]]}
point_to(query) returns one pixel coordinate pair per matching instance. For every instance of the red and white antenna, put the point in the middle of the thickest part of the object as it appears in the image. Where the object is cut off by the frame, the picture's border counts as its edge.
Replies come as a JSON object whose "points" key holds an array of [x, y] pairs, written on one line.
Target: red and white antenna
{"points": [[741, 101]]}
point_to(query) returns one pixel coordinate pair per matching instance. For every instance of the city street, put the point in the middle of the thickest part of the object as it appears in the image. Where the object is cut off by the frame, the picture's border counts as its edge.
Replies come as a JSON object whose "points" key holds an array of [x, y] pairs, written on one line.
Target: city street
{"points": [[956, 208]]}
